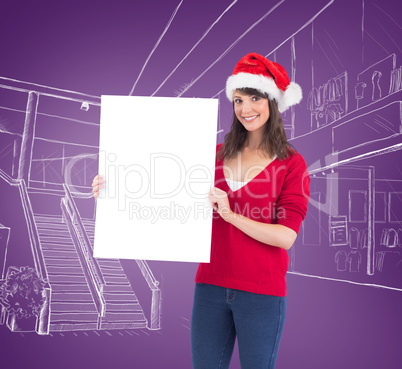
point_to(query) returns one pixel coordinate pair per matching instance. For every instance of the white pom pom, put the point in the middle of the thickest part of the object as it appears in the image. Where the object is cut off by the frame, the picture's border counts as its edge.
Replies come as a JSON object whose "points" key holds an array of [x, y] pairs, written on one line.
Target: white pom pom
{"points": [[291, 96]]}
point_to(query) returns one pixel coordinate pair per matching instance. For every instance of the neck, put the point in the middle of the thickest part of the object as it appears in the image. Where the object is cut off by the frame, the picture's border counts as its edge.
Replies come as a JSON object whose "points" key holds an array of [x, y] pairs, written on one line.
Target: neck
{"points": [[253, 140]]}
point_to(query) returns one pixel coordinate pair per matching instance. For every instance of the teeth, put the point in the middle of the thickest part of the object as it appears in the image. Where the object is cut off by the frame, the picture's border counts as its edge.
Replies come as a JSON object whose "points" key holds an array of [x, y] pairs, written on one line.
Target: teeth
{"points": [[250, 118]]}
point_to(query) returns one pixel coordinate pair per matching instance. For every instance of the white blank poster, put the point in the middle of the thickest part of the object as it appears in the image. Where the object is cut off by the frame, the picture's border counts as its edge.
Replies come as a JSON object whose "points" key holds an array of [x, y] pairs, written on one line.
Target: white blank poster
{"points": [[157, 155]]}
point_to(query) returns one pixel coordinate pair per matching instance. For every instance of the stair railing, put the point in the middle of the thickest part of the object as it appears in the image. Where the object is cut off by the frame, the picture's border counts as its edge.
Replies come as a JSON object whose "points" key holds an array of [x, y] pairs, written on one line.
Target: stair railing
{"points": [[142, 264], [153, 284], [80, 237]]}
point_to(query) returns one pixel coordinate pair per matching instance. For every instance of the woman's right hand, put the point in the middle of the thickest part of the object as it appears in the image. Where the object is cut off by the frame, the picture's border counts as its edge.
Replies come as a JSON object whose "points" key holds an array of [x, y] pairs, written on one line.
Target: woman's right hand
{"points": [[97, 184]]}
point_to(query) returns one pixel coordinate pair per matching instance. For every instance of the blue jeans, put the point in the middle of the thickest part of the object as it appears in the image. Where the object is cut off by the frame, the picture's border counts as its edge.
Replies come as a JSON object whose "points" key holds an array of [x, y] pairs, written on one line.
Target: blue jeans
{"points": [[222, 314]]}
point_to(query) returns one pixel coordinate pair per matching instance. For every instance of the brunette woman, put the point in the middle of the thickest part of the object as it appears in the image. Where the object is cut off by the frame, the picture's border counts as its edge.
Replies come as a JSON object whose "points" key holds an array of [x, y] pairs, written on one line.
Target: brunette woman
{"points": [[259, 198]]}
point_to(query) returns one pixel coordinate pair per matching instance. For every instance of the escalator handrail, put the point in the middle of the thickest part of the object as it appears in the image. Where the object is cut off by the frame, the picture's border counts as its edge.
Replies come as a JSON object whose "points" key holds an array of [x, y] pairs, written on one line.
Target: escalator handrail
{"points": [[70, 201]]}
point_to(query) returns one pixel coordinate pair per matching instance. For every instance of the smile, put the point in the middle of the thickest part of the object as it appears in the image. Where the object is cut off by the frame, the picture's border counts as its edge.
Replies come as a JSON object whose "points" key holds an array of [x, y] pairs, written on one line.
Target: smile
{"points": [[250, 118]]}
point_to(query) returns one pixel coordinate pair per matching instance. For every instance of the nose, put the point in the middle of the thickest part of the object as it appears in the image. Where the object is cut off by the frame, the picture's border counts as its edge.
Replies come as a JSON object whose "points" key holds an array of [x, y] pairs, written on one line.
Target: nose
{"points": [[246, 107]]}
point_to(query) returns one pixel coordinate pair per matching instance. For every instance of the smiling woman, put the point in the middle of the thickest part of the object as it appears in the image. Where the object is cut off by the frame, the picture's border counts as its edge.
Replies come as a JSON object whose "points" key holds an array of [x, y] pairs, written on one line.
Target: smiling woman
{"points": [[260, 200], [249, 103], [251, 110]]}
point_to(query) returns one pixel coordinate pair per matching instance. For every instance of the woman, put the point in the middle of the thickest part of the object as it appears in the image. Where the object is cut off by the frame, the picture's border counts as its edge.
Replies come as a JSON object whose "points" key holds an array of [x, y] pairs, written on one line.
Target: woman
{"points": [[259, 198]]}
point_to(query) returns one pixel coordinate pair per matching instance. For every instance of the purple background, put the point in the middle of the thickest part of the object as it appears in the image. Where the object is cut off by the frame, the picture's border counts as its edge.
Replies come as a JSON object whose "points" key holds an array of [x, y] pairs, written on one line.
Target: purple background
{"points": [[100, 48]]}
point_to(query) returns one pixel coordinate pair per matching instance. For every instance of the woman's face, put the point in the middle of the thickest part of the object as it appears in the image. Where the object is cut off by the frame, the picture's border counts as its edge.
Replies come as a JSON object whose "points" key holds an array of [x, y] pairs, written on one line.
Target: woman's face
{"points": [[252, 111]]}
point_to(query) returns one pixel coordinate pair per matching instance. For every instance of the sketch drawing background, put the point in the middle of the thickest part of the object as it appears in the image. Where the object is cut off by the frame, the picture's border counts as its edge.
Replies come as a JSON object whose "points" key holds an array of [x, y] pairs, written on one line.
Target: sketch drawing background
{"points": [[345, 272]]}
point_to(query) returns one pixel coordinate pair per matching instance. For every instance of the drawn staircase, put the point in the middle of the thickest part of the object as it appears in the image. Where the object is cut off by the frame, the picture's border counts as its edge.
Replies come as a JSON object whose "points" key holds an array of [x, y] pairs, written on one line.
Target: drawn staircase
{"points": [[123, 310], [72, 306], [73, 303]]}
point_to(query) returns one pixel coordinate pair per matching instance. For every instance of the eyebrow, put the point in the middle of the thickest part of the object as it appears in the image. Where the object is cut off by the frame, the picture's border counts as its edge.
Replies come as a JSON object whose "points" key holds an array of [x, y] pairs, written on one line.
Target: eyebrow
{"points": [[240, 97]]}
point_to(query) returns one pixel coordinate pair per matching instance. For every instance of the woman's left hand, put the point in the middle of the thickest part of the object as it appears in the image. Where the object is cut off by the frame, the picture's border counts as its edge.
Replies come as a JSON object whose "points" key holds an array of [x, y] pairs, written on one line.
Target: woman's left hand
{"points": [[220, 202]]}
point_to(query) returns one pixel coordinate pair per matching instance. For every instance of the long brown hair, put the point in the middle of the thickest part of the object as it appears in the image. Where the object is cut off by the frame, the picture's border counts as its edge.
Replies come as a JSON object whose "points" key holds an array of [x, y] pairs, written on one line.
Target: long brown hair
{"points": [[274, 140]]}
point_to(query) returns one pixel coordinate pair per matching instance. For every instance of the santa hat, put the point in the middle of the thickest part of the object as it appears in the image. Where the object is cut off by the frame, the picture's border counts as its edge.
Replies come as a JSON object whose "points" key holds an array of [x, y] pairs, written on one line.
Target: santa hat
{"points": [[255, 71]]}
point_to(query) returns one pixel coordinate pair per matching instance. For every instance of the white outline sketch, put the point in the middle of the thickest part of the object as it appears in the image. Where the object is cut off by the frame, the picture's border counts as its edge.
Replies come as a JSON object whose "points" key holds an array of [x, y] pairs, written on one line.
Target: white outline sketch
{"points": [[82, 293], [360, 251]]}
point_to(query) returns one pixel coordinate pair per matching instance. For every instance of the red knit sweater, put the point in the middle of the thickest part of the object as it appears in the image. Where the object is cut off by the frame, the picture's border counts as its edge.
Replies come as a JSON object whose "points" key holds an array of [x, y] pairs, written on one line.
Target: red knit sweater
{"points": [[277, 195]]}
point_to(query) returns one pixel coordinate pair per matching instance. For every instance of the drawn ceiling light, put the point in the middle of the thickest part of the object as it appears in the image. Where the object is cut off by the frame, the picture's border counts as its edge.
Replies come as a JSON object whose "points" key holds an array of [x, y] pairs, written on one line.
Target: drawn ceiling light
{"points": [[85, 106]]}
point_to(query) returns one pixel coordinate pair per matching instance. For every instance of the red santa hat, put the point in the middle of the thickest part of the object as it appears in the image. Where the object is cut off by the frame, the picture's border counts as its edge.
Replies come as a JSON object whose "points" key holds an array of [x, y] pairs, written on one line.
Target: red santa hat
{"points": [[256, 71]]}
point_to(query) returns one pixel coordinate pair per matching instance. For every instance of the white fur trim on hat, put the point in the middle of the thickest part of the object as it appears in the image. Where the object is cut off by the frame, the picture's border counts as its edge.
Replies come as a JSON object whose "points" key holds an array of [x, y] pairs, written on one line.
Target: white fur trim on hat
{"points": [[285, 99], [291, 96]]}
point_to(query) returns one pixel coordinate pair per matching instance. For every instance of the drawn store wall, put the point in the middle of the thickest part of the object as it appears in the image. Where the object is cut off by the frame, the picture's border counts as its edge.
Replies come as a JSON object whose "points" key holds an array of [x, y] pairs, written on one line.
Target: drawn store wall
{"points": [[63, 308]]}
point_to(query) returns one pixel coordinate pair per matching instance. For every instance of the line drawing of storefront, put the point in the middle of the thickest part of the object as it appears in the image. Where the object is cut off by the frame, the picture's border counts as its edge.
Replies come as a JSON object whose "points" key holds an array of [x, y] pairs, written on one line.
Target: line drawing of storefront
{"points": [[352, 229]]}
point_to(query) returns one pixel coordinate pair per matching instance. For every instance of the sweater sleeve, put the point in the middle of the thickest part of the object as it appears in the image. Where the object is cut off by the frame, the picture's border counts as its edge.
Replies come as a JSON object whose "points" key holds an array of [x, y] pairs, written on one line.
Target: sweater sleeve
{"points": [[291, 205]]}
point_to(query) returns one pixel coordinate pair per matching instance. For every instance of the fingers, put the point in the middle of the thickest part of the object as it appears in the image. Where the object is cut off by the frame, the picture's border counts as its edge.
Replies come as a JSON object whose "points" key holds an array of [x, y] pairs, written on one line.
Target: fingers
{"points": [[218, 193], [213, 199], [96, 189], [98, 180], [213, 204], [97, 184], [220, 202]]}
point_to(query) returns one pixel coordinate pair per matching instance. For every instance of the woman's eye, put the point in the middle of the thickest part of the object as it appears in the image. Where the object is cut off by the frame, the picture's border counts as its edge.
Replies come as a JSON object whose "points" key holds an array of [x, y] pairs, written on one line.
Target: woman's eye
{"points": [[237, 101], [255, 98]]}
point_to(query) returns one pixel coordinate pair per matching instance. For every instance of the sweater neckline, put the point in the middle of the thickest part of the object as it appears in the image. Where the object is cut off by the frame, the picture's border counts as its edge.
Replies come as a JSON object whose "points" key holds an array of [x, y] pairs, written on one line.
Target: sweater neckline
{"points": [[251, 180]]}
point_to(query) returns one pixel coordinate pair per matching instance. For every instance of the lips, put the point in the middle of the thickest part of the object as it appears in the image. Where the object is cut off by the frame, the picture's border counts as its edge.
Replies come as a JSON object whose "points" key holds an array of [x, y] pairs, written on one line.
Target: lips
{"points": [[248, 119]]}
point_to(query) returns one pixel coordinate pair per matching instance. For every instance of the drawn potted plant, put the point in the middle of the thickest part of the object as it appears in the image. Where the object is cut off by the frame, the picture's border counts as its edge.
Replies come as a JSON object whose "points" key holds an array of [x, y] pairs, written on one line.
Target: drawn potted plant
{"points": [[21, 296]]}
